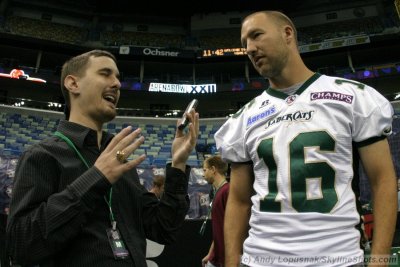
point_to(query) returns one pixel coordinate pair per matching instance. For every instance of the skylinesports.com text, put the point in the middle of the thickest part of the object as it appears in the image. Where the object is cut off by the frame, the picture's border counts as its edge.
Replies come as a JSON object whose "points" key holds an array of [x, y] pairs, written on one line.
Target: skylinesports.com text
{"points": [[315, 260]]}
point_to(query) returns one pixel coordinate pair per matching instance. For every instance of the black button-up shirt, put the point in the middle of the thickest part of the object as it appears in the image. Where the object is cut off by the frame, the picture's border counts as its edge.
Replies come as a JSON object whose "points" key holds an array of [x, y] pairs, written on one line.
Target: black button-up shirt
{"points": [[59, 216]]}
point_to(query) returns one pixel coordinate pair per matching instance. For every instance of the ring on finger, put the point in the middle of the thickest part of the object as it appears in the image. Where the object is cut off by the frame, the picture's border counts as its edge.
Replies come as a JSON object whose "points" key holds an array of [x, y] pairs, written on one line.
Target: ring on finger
{"points": [[121, 156]]}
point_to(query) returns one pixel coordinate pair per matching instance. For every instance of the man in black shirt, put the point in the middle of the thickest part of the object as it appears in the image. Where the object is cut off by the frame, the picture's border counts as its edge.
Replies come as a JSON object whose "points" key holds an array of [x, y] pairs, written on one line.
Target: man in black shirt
{"points": [[77, 201]]}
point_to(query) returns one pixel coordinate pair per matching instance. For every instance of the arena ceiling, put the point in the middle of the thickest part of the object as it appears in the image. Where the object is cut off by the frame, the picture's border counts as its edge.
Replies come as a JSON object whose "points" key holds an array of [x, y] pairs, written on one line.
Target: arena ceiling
{"points": [[179, 8], [182, 8]]}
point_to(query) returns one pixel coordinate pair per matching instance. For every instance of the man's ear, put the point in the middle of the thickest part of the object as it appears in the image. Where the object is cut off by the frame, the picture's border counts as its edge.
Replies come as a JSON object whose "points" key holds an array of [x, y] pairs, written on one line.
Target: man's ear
{"points": [[71, 84], [289, 33], [214, 169]]}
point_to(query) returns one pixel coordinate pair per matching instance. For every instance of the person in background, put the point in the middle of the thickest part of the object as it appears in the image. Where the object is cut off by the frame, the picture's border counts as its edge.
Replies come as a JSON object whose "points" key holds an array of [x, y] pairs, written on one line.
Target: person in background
{"points": [[215, 169], [77, 200], [398, 204], [292, 150], [398, 193], [158, 185], [6, 184]]}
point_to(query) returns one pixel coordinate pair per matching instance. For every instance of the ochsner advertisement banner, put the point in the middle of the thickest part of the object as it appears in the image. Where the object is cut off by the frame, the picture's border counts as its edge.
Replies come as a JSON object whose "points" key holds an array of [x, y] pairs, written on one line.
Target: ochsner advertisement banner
{"points": [[183, 88], [154, 51]]}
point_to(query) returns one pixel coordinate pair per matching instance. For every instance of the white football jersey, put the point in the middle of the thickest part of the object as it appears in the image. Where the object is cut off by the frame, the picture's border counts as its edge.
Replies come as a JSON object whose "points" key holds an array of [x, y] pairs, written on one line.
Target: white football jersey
{"points": [[301, 147]]}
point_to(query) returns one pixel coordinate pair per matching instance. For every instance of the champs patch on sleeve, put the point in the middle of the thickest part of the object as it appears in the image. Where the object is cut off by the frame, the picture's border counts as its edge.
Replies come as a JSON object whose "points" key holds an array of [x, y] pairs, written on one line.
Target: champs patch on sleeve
{"points": [[332, 96]]}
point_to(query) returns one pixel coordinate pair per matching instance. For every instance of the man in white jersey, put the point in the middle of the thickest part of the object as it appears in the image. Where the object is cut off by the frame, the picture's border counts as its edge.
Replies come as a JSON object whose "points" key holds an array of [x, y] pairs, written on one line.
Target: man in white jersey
{"points": [[292, 151]]}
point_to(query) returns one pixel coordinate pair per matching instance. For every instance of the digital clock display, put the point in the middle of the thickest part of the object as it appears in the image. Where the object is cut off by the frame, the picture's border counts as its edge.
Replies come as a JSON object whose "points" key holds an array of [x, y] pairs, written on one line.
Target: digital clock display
{"points": [[221, 52]]}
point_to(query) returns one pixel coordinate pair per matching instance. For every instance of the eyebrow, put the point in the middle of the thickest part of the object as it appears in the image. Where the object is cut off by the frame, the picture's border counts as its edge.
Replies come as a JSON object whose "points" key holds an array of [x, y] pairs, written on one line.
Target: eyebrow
{"points": [[248, 35]]}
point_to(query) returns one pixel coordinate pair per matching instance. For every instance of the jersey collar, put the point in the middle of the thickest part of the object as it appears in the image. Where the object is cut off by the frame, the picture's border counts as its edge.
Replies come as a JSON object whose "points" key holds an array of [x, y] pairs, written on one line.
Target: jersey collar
{"points": [[279, 94]]}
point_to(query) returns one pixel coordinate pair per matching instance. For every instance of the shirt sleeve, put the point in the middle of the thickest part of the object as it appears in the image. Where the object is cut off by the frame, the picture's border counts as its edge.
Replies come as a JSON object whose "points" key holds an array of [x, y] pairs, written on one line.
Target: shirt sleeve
{"points": [[163, 219], [372, 116], [230, 140], [42, 219]]}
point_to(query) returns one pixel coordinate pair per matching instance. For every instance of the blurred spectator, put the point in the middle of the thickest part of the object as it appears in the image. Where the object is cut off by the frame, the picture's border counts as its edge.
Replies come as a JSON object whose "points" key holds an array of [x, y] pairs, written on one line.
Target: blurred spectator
{"points": [[7, 170], [158, 185]]}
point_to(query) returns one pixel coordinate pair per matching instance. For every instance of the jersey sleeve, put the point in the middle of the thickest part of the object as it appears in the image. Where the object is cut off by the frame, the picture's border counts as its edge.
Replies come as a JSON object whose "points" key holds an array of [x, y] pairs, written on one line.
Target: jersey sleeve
{"points": [[229, 139], [372, 116]]}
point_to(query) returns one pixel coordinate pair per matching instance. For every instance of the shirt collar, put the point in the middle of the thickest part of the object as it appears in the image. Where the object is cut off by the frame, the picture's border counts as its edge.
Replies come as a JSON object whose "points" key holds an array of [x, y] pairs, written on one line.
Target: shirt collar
{"points": [[80, 134]]}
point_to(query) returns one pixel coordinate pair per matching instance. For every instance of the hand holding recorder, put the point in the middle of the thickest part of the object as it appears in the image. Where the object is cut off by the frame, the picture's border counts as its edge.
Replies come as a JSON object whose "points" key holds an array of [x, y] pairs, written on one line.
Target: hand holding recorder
{"points": [[185, 141], [185, 120]]}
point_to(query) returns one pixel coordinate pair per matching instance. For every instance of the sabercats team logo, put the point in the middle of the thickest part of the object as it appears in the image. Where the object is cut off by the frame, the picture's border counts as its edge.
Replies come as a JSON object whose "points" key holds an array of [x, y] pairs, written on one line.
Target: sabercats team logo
{"points": [[297, 116]]}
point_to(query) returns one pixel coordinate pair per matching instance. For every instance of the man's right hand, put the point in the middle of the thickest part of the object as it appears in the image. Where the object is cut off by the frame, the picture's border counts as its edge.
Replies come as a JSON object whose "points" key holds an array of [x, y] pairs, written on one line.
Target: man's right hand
{"points": [[112, 166]]}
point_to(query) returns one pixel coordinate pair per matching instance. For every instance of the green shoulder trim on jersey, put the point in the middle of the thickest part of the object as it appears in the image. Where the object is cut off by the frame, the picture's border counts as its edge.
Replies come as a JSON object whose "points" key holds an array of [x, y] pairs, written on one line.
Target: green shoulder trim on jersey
{"points": [[358, 84], [278, 94], [370, 141], [246, 162]]}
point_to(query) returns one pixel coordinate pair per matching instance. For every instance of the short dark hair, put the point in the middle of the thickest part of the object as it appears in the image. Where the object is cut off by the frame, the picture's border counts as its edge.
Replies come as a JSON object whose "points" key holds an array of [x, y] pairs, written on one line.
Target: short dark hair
{"points": [[217, 162], [158, 180], [279, 18], [77, 66]]}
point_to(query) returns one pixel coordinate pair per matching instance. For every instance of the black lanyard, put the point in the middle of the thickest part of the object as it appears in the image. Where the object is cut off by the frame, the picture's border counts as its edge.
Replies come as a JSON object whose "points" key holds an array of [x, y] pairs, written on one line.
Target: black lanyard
{"points": [[71, 145]]}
